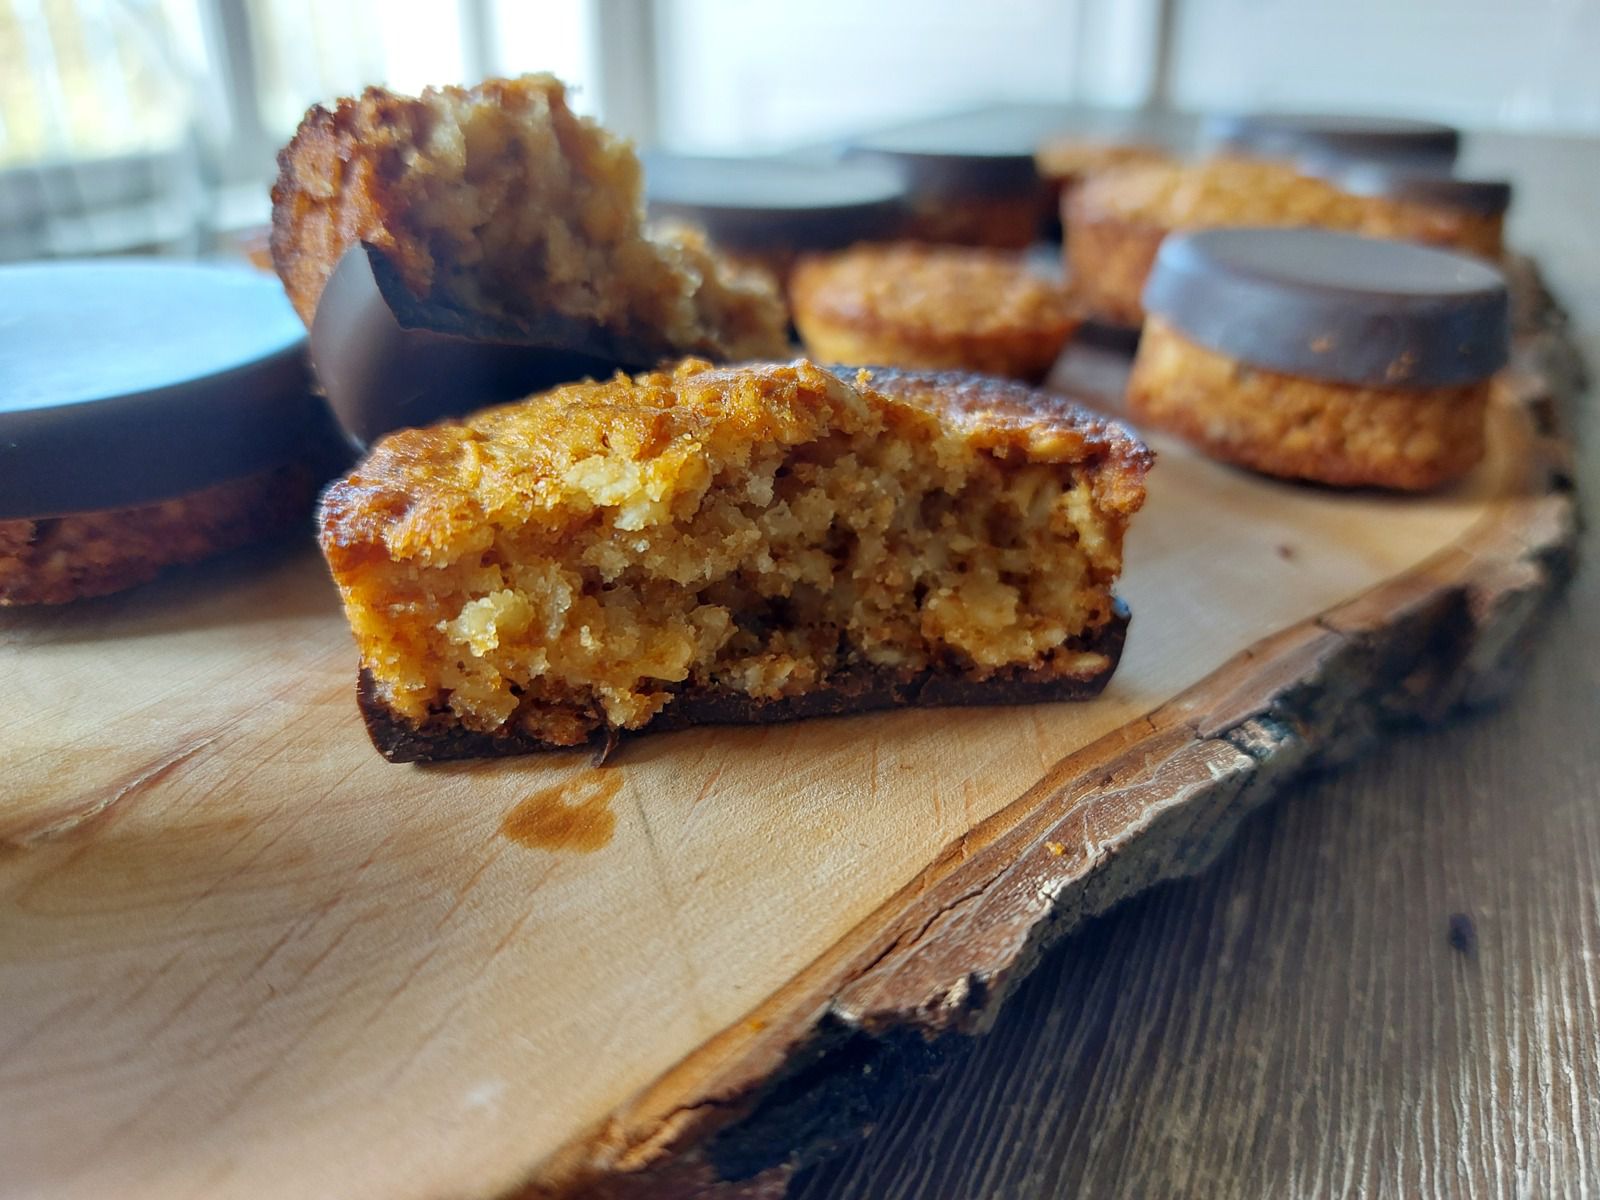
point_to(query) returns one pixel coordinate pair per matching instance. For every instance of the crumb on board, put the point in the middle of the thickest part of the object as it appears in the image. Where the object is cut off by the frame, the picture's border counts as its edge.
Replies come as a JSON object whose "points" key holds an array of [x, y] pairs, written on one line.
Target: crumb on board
{"points": [[1463, 934]]}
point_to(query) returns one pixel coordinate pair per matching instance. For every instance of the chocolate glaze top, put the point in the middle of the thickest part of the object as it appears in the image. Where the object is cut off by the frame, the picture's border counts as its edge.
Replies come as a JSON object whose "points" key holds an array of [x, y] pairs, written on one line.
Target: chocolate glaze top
{"points": [[1390, 139], [946, 166], [128, 381], [767, 203], [1334, 306]]}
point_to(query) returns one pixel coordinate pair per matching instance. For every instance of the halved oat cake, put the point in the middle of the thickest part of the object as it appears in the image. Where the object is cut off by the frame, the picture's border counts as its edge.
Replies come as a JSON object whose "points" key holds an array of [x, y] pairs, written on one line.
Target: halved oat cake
{"points": [[730, 544]]}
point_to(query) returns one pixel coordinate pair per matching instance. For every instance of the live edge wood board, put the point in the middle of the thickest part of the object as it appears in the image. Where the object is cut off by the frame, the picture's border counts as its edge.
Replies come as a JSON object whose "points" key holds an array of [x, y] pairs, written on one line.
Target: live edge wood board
{"points": [[242, 956]]}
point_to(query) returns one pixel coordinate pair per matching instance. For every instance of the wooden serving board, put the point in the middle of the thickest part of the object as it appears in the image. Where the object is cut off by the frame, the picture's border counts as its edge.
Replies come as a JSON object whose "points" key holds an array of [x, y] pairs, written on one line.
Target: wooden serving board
{"points": [[243, 956]]}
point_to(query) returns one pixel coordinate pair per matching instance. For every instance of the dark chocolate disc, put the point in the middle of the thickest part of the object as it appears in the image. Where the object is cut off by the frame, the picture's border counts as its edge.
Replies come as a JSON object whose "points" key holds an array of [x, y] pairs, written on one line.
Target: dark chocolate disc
{"points": [[128, 381], [387, 360], [777, 203], [935, 164], [1334, 306], [1390, 139], [1410, 181]]}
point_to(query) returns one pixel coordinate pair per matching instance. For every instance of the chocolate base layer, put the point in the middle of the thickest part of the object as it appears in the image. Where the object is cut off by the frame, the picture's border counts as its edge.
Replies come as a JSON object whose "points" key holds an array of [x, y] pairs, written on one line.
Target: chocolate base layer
{"points": [[859, 690]]}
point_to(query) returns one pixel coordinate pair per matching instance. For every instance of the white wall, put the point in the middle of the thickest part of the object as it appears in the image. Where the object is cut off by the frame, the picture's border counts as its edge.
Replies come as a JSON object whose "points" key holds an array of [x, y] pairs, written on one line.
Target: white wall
{"points": [[759, 74], [1483, 64], [740, 75]]}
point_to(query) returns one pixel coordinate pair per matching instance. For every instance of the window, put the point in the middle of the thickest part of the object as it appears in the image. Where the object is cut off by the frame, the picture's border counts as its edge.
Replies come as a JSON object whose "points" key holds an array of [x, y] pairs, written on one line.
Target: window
{"points": [[128, 124], [132, 125]]}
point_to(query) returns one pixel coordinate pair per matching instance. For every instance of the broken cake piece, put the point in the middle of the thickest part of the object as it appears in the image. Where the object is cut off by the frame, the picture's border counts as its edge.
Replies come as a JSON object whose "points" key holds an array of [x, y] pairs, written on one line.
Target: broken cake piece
{"points": [[491, 215], [729, 545]]}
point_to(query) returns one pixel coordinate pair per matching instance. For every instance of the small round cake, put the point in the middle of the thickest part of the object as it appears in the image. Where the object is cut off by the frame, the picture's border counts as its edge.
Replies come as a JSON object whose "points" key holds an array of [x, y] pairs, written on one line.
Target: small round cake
{"points": [[1322, 356], [154, 413], [936, 307], [1287, 135], [1116, 221], [978, 191], [768, 211], [1067, 161], [1473, 209]]}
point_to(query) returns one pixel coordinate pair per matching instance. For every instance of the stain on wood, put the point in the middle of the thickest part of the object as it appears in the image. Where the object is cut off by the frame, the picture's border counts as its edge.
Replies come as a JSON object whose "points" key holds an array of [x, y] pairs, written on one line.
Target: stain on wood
{"points": [[573, 815]]}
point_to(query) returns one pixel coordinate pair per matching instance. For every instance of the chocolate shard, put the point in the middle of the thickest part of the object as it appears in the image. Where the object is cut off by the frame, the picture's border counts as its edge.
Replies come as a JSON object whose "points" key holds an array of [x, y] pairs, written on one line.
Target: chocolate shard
{"points": [[857, 690], [387, 359]]}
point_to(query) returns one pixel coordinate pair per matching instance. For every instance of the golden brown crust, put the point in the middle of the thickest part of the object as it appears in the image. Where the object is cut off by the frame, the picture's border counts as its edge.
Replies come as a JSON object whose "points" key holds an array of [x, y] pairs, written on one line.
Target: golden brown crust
{"points": [[1223, 192], [1302, 428], [996, 415], [59, 559], [939, 307], [419, 487], [336, 186], [580, 558], [499, 199], [1116, 220]]}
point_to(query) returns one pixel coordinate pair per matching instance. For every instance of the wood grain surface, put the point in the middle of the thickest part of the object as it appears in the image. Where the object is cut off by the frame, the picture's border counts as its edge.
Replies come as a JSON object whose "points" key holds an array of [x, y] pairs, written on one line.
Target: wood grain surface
{"points": [[226, 920], [1389, 985]]}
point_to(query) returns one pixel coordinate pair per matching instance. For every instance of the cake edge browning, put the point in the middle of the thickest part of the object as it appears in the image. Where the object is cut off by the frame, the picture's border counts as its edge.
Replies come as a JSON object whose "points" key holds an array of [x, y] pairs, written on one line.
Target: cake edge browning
{"points": [[57, 560], [1114, 456], [851, 692]]}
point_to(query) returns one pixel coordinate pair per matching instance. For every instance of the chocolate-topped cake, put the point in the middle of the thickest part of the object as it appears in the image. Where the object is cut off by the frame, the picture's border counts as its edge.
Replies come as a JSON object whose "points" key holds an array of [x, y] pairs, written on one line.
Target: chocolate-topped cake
{"points": [[729, 544], [978, 191], [1322, 356], [1475, 208], [154, 413], [1117, 220], [768, 210], [1287, 135], [1067, 161]]}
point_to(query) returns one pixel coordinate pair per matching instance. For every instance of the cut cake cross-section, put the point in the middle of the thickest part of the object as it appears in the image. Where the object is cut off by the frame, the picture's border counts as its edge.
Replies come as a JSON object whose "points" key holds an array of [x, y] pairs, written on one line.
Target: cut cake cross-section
{"points": [[734, 544]]}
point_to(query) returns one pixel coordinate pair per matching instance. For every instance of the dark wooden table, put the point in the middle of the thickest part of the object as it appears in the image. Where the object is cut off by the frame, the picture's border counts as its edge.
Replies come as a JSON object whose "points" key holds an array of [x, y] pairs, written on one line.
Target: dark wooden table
{"points": [[1388, 986]]}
